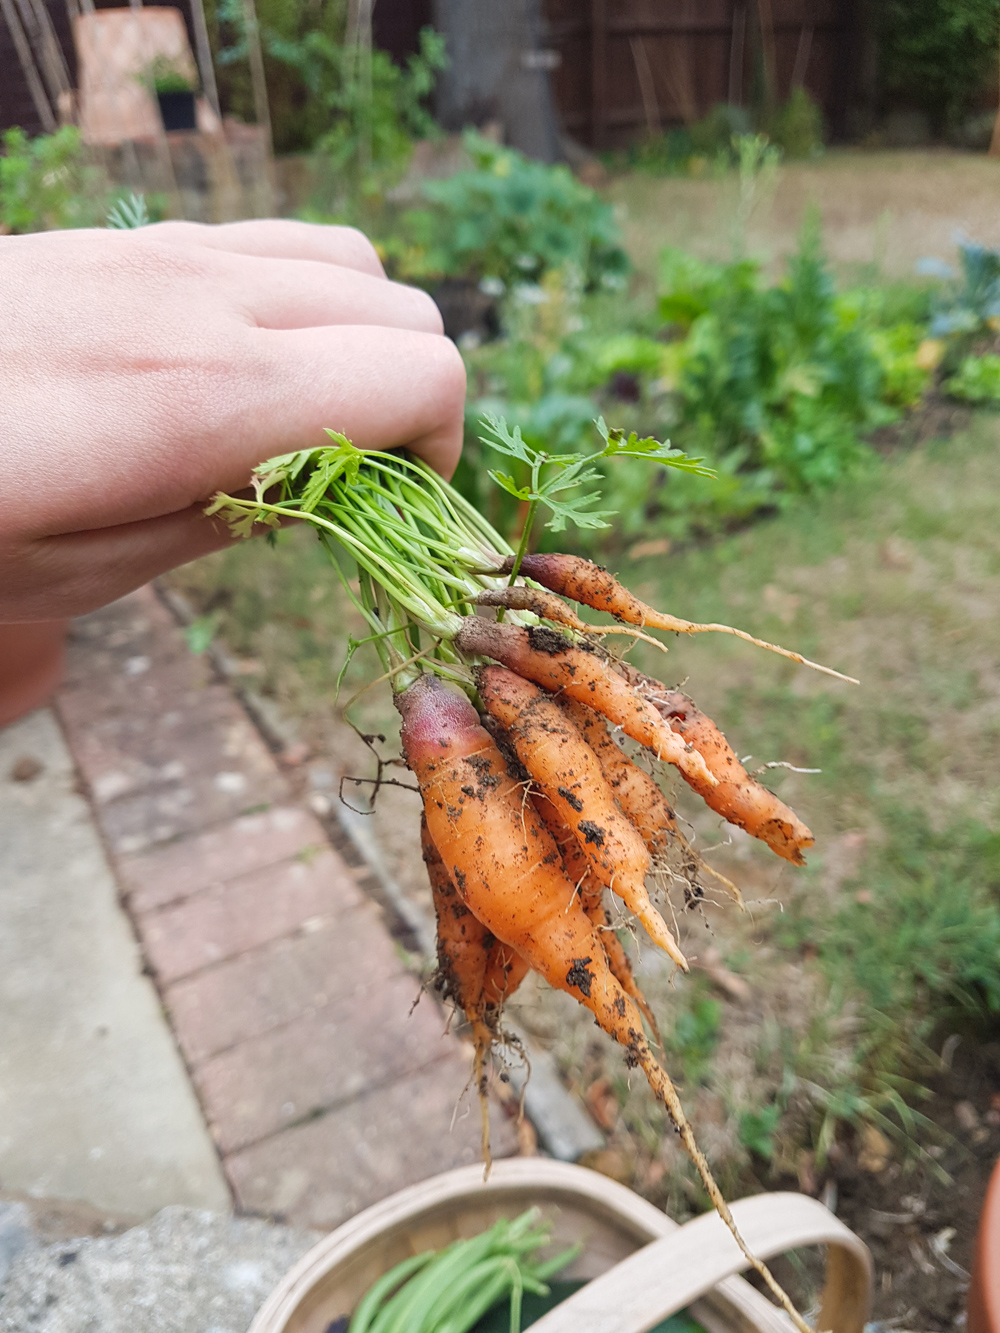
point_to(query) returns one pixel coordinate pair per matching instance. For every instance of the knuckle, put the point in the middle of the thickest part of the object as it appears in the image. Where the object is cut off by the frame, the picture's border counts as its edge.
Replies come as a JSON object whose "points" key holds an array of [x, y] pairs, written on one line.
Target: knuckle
{"points": [[363, 254]]}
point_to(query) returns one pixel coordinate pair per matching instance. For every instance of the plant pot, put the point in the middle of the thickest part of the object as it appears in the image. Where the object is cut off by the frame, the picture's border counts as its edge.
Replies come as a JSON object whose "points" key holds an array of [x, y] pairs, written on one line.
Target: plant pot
{"points": [[984, 1288], [177, 110], [639, 1266], [32, 661]]}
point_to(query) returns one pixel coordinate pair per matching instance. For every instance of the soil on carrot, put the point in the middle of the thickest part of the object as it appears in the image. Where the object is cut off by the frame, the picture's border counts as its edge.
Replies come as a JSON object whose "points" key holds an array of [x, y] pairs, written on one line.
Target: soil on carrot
{"points": [[838, 1037]]}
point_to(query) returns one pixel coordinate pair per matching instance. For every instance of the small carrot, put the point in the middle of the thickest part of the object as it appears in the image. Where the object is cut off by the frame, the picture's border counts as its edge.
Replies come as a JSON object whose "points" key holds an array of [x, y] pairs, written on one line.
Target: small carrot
{"points": [[547, 606], [507, 867], [640, 797], [591, 894], [464, 946], [552, 660], [583, 581], [735, 795], [562, 764]]}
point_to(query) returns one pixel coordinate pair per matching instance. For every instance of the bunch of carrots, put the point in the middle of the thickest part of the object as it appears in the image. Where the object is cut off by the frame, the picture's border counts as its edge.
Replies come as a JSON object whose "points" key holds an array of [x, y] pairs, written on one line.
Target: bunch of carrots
{"points": [[534, 818]]}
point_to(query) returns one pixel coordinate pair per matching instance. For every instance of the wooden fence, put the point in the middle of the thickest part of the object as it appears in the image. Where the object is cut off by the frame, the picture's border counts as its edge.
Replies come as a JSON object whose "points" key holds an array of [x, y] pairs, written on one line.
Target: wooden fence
{"points": [[625, 67], [630, 67]]}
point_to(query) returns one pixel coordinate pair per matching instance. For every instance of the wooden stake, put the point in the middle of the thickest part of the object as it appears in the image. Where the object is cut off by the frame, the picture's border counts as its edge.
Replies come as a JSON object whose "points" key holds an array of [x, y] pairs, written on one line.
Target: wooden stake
{"points": [[647, 87], [30, 69], [802, 53], [767, 47], [599, 72], [258, 79], [995, 141], [736, 55], [204, 50]]}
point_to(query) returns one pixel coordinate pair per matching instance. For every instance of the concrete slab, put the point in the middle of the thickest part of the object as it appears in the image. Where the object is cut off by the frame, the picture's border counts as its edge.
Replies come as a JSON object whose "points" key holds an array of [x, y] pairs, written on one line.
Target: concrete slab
{"points": [[186, 1271], [95, 1102]]}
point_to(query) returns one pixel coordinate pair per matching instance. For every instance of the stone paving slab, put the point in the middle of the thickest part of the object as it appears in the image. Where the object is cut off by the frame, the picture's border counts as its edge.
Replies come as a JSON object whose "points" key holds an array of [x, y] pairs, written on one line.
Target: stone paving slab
{"points": [[286, 994], [95, 1102], [176, 870], [321, 1173], [242, 913], [323, 1059], [266, 988]]}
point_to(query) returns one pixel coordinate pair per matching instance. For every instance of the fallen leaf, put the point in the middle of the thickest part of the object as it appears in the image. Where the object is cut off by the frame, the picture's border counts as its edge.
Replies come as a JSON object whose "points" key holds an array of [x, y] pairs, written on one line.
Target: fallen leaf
{"points": [[876, 1150]]}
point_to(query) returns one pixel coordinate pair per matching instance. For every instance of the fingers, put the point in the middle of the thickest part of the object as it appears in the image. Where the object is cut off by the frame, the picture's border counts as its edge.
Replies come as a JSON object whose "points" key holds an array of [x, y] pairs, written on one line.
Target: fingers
{"points": [[381, 387], [304, 294], [72, 574], [274, 238]]}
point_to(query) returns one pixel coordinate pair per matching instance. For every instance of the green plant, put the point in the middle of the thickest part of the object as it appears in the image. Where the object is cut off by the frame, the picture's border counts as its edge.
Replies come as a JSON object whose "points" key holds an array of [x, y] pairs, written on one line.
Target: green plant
{"points": [[46, 183], [970, 304], [129, 212], [768, 379], [164, 75], [797, 128], [938, 54], [511, 220], [977, 380], [374, 108], [756, 1129], [449, 1290], [923, 944], [696, 1031]]}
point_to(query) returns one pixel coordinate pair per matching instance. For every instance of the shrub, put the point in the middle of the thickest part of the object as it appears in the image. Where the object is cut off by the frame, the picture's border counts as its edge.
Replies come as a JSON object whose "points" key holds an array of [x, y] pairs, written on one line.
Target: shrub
{"points": [[771, 379], [938, 54], [512, 220], [797, 128], [46, 184]]}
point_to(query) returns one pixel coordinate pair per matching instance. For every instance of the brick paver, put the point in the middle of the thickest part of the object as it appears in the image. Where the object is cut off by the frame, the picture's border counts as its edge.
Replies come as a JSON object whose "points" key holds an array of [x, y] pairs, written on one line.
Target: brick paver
{"points": [[288, 999]]}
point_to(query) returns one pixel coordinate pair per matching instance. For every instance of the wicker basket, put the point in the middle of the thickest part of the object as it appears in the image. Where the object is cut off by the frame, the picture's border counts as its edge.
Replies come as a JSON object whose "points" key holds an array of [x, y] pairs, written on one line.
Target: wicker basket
{"points": [[642, 1265]]}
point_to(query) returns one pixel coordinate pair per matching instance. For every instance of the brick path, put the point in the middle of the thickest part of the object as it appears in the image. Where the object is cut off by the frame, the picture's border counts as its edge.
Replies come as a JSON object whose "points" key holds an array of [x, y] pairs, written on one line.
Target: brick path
{"points": [[288, 999]]}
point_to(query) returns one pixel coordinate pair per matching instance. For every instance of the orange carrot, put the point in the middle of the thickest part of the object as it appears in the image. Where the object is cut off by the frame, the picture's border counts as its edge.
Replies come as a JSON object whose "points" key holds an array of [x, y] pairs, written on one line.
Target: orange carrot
{"points": [[641, 799], [507, 867], [736, 795], [464, 946], [591, 895], [583, 581], [552, 660], [638, 795], [547, 606], [563, 765]]}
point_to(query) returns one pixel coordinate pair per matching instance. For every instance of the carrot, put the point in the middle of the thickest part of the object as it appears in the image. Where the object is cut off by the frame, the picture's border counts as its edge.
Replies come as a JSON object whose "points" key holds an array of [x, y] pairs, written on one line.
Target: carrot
{"points": [[507, 868], [591, 895], [563, 765], [552, 660], [547, 606], [464, 946], [475, 971], [583, 581], [640, 797], [736, 795]]}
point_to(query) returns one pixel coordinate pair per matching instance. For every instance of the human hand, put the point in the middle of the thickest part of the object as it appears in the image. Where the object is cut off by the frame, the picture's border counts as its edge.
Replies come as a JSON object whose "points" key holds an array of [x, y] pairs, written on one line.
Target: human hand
{"points": [[144, 370]]}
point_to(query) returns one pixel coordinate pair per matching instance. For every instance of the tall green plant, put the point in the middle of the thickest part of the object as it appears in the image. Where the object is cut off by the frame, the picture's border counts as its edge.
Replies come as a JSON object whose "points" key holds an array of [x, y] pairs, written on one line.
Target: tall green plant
{"points": [[46, 183]]}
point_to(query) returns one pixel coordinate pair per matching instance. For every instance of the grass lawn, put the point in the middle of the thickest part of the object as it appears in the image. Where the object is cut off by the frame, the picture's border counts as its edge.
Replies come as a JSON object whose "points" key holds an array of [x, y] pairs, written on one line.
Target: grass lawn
{"points": [[881, 209]]}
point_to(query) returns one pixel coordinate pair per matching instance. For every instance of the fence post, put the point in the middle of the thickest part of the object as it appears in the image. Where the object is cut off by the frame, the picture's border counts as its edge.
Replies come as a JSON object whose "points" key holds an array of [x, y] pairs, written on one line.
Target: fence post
{"points": [[599, 71]]}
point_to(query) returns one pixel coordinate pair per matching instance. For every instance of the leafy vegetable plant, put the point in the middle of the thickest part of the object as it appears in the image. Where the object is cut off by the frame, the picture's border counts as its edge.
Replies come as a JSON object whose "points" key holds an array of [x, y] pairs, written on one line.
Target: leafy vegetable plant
{"points": [[510, 220]]}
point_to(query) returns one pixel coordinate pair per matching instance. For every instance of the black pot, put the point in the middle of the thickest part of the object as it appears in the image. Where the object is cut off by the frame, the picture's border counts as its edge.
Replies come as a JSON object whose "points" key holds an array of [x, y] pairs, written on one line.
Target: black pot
{"points": [[177, 110]]}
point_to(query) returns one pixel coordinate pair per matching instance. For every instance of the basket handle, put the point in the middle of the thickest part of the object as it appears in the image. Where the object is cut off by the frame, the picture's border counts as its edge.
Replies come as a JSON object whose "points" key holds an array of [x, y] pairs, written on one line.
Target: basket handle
{"points": [[670, 1273]]}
